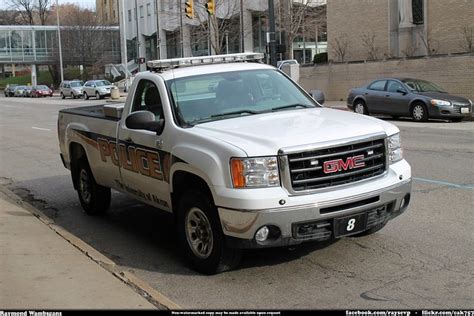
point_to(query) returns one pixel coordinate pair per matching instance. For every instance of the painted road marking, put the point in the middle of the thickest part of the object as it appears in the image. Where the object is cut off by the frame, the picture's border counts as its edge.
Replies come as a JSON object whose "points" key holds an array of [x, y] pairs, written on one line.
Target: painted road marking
{"points": [[443, 183], [41, 129]]}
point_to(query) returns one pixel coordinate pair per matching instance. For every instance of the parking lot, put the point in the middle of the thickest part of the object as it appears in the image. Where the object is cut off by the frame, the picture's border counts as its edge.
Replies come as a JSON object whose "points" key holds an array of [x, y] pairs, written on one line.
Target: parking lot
{"points": [[422, 259]]}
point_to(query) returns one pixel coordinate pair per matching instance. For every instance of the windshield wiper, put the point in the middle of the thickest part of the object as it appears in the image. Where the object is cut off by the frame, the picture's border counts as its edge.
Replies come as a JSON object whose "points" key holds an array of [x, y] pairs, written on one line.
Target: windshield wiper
{"points": [[236, 113], [292, 106]]}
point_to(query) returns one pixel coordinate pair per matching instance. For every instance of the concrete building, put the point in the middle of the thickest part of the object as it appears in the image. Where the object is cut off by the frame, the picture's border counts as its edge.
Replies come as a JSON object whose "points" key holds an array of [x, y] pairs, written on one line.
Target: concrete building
{"points": [[107, 11], [139, 25], [379, 29]]}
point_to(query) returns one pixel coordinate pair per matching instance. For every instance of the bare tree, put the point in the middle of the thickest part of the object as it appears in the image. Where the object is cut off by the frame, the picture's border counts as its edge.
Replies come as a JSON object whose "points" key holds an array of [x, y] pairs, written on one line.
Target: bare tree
{"points": [[44, 8], [26, 9], [300, 18], [370, 44], [467, 39], [429, 44], [339, 46]]}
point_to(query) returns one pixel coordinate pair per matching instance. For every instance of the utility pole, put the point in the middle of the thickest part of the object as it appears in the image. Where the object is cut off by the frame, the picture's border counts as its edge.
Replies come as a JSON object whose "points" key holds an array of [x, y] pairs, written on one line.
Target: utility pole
{"points": [[59, 42], [158, 40], [181, 28], [138, 36], [242, 49], [271, 35]]}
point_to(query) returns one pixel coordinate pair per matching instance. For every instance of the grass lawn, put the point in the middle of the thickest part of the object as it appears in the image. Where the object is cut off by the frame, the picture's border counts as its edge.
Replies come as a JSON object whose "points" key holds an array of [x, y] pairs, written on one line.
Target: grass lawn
{"points": [[44, 77]]}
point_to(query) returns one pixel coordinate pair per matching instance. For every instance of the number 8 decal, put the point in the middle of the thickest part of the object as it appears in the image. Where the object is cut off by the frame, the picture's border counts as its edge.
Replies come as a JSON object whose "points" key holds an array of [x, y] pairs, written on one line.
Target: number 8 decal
{"points": [[350, 224]]}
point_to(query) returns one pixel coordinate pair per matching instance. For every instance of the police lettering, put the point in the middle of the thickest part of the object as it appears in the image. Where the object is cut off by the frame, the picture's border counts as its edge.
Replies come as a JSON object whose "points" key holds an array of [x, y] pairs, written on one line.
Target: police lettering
{"points": [[130, 158]]}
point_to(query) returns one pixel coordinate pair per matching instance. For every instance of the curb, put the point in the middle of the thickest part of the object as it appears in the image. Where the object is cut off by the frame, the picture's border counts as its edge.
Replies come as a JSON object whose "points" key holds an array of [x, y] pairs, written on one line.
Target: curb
{"points": [[138, 285]]}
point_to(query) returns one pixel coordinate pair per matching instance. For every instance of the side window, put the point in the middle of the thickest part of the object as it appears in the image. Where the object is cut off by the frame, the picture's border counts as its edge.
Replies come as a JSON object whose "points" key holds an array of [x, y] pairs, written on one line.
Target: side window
{"points": [[394, 86], [147, 98], [378, 85]]}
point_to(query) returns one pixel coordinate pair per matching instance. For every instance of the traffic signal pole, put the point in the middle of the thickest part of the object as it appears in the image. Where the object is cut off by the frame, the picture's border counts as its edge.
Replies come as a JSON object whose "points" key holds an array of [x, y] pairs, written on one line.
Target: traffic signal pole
{"points": [[271, 35]]}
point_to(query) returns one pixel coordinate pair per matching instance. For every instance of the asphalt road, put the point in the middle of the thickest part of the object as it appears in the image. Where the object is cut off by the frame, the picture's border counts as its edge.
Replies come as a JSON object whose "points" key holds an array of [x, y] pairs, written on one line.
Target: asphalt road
{"points": [[422, 259]]}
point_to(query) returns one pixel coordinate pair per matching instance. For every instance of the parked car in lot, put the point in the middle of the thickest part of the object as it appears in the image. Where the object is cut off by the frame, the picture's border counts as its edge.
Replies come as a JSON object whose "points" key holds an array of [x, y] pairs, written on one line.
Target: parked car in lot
{"points": [[27, 92], [18, 91], [41, 91], [71, 88], [419, 99], [9, 90], [97, 88]]}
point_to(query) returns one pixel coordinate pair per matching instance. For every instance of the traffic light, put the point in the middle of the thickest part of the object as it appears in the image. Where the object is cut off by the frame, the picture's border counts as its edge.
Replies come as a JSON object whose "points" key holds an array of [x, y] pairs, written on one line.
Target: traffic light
{"points": [[189, 8], [210, 6]]}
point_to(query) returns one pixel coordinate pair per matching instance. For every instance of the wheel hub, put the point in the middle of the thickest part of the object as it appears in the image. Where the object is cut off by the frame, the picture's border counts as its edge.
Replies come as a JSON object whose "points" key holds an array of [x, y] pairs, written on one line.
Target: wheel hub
{"points": [[199, 233]]}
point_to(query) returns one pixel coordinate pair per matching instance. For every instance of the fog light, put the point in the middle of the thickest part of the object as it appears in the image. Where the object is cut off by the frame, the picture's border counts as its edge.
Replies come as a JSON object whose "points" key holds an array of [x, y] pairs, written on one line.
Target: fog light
{"points": [[262, 234]]}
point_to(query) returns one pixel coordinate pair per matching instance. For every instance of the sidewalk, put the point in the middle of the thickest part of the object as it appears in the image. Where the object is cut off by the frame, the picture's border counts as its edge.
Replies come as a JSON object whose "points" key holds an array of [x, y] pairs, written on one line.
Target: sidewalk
{"points": [[41, 270]]}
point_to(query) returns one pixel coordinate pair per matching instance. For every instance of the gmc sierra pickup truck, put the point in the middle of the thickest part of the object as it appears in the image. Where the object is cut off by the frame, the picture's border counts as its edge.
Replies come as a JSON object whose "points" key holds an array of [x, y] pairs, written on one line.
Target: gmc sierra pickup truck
{"points": [[240, 155]]}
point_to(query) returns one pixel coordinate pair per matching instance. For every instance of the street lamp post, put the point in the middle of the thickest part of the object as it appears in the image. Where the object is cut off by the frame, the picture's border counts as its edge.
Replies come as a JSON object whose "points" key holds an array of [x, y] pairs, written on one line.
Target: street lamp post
{"points": [[59, 42]]}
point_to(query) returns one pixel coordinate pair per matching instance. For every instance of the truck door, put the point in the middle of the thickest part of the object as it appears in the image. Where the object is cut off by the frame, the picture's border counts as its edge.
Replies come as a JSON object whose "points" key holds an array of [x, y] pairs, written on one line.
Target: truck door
{"points": [[144, 156]]}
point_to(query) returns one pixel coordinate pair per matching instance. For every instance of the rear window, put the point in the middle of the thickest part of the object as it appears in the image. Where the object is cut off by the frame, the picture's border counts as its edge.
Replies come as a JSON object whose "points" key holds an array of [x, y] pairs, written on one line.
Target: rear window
{"points": [[378, 85]]}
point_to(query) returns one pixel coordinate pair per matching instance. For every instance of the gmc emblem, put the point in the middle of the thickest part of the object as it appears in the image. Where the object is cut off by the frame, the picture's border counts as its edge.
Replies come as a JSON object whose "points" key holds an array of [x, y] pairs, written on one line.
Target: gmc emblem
{"points": [[337, 165]]}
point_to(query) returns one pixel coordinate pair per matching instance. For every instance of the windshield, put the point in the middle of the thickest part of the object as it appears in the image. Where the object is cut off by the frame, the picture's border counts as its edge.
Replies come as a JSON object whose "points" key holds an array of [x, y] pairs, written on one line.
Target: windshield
{"points": [[102, 83], [210, 97], [76, 84], [423, 86], [42, 88]]}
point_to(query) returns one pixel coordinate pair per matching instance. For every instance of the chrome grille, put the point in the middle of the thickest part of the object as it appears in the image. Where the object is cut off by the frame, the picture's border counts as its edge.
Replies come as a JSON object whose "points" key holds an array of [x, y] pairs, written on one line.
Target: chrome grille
{"points": [[307, 168]]}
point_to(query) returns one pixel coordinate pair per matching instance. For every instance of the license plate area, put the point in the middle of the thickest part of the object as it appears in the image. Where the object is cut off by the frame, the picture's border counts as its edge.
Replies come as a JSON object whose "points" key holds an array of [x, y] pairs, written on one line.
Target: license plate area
{"points": [[464, 110], [350, 225]]}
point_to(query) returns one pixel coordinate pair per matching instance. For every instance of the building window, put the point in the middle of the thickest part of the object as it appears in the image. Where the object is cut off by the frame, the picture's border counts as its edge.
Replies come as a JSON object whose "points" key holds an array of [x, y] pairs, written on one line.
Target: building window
{"points": [[141, 11], [148, 9], [417, 9], [129, 15]]}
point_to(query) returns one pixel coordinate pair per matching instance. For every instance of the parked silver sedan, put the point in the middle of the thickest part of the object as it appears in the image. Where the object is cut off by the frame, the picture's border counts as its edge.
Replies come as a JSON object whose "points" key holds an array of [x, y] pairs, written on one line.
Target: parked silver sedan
{"points": [[419, 99], [97, 88]]}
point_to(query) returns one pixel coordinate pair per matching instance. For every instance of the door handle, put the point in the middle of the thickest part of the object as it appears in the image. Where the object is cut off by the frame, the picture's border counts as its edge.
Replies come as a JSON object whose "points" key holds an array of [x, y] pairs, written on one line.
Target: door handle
{"points": [[387, 95], [129, 140], [159, 143]]}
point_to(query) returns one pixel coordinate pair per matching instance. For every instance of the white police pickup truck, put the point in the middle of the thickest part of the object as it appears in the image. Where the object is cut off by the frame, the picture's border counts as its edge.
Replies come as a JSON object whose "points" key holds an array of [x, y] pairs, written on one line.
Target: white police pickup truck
{"points": [[240, 154]]}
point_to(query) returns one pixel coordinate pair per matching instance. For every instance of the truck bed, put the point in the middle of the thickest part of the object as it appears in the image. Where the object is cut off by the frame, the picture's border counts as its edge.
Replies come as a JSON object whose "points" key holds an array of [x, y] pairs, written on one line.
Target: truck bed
{"points": [[95, 111]]}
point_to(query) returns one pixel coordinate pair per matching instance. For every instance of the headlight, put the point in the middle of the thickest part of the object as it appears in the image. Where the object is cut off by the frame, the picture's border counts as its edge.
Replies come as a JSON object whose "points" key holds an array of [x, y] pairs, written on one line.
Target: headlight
{"points": [[395, 152], [440, 102], [254, 172]]}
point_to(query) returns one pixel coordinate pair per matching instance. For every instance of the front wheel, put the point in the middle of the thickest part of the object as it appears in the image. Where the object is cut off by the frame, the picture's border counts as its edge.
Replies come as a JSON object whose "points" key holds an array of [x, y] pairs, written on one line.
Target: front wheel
{"points": [[63, 96], [86, 96], [456, 120], [97, 96], [94, 198], [419, 113], [360, 107], [201, 236]]}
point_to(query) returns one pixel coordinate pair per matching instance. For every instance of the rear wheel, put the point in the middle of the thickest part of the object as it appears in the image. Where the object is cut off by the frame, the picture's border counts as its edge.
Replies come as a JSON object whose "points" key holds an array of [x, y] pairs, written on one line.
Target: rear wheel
{"points": [[419, 113], [94, 198], [360, 107], [201, 236]]}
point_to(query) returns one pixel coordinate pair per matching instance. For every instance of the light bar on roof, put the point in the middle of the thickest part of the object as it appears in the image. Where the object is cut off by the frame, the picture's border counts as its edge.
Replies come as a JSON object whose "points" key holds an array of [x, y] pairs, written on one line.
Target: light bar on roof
{"points": [[204, 60]]}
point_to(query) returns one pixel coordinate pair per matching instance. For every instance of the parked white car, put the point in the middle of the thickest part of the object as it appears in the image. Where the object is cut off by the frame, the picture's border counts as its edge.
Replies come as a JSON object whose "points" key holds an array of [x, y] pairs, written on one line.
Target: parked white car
{"points": [[97, 88]]}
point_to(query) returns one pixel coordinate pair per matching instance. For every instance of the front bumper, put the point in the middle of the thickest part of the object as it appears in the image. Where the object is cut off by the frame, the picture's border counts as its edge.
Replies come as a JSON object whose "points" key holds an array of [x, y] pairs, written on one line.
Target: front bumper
{"points": [[447, 112], [381, 205]]}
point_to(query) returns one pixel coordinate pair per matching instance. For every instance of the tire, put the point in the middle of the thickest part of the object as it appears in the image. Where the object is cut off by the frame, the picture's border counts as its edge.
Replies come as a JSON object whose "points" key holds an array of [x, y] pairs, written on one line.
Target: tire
{"points": [[360, 107], [97, 96], [86, 96], [94, 198], [210, 254], [457, 119], [63, 96], [419, 113], [370, 231], [72, 95]]}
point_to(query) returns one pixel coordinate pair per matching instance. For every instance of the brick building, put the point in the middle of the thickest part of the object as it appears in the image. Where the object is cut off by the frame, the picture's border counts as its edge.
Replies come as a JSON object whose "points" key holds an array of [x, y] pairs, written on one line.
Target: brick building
{"points": [[379, 29]]}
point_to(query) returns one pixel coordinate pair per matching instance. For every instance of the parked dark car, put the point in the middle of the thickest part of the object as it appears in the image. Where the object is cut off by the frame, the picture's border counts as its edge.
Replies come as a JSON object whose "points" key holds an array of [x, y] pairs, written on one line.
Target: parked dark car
{"points": [[27, 92], [419, 99], [41, 91], [9, 90]]}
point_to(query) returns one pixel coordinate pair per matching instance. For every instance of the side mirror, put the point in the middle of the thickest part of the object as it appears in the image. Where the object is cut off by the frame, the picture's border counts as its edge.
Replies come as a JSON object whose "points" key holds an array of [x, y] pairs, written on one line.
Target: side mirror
{"points": [[318, 96], [144, 120], [401, 91]]}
